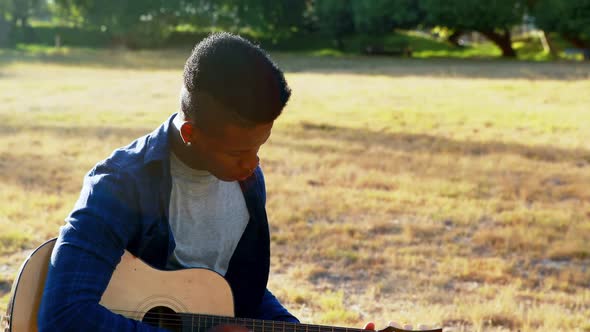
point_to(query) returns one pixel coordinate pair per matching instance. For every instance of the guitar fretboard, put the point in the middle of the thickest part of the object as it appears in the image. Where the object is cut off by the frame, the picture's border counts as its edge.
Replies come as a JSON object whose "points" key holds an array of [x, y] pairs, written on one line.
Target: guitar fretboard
{"points": [[203, 323]]}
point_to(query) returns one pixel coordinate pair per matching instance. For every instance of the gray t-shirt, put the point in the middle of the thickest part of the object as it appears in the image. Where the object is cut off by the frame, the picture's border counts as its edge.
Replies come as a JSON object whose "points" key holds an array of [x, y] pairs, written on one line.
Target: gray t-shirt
{"points": [[207, 217]]}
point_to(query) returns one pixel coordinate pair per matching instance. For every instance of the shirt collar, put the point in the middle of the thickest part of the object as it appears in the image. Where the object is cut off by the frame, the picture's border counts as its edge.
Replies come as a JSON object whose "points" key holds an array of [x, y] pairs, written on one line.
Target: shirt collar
{"points": [[158, 144]]}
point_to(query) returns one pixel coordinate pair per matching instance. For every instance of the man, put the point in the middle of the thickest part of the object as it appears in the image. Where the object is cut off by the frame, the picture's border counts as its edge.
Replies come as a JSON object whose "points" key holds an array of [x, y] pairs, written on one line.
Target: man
{"points": [[190, 194]]}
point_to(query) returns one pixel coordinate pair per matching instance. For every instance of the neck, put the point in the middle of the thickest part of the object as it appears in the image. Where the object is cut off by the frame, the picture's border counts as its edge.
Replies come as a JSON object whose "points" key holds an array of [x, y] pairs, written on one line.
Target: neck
{"points": [[179, 148]]}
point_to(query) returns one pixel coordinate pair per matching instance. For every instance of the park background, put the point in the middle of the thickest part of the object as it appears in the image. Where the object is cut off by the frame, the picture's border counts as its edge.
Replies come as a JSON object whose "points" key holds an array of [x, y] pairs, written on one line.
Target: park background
{"points": [[432, 166]]}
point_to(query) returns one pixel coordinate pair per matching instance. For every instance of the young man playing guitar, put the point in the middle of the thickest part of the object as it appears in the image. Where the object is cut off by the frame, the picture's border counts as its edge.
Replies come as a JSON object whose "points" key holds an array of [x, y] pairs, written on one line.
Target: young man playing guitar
{"points": [[189, 195]]}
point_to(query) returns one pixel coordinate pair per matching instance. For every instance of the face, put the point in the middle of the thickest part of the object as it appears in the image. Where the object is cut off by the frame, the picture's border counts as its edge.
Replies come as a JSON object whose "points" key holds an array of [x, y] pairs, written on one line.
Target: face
{"points": [[230, 152]]}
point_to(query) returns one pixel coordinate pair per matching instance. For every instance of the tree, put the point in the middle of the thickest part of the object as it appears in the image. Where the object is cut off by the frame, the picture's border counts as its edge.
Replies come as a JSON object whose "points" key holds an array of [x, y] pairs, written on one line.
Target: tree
{"points": [[493, 19], [374, 18], [15, 18], [5, 30], [132, 19], [335, 18], [270, 16], [132, 22], [571, 19], [20, 11], [379, 17]]}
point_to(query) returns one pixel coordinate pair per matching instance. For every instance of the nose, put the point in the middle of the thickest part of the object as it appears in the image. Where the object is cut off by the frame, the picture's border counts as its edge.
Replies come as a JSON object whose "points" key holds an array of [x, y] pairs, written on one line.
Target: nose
{"points": [[250, 162]]}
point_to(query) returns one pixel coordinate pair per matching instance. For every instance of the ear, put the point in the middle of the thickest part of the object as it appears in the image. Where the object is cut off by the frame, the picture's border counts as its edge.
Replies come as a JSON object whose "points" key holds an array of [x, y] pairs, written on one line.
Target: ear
{"points": [[186, 131]]}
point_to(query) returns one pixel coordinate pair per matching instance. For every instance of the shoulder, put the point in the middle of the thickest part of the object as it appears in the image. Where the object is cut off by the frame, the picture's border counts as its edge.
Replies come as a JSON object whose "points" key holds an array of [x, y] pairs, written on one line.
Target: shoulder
{"points": [[129, 157], [126, 162], [118, 179]]}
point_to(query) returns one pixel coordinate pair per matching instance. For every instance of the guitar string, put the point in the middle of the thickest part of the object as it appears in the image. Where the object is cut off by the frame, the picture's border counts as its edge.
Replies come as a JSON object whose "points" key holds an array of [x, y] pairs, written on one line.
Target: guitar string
{"points": [[172, 317], [175, 319]]}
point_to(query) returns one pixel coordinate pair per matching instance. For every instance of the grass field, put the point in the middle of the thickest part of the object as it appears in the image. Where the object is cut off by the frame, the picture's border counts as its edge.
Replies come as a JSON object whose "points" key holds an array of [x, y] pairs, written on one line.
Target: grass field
{"points": [[445, 192]]}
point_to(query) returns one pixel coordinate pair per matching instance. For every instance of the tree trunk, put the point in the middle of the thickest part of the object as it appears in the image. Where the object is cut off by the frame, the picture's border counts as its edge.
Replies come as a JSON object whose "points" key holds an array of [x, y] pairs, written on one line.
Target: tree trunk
{"points": [[503, 41], [454, 38], [548, 45], [5, 30], [28, 32], [339, 41]]}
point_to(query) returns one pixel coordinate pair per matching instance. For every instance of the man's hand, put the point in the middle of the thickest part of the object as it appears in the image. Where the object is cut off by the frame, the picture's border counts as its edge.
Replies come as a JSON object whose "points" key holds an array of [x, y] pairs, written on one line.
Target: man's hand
{"points": [[421, 327]]}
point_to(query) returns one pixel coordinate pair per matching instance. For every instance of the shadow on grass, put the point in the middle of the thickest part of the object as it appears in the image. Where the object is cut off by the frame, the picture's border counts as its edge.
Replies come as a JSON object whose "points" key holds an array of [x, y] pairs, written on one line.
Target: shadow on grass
{"points": [[173, 59], [52, 173], [55, 174], [101, 58], [436, 67], [80, 132], [411, 143], [53, 178]]}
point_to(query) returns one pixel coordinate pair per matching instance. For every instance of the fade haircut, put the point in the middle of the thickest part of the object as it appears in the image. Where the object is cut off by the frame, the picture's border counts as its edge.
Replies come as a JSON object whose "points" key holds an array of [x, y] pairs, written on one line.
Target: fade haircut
{"points": [[236, 74]]}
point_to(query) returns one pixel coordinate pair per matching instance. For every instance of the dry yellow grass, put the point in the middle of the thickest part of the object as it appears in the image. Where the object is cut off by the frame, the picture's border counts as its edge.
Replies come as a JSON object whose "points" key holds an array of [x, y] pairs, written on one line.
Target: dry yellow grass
{"points": [[448, 192]]}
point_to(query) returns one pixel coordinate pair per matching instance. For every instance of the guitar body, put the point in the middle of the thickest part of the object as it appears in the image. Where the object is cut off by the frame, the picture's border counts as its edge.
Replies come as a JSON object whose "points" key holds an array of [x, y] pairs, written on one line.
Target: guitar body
{"points": [[134, 290]]}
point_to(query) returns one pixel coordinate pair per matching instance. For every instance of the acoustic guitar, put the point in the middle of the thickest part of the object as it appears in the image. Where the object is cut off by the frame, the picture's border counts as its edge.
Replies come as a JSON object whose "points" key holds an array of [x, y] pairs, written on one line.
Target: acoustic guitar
{"points": [[159, 298]]}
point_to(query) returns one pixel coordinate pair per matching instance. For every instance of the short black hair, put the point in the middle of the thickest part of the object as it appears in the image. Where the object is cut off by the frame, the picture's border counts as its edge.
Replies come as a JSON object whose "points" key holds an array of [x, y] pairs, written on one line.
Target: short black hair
{"points": [[237, 74]]}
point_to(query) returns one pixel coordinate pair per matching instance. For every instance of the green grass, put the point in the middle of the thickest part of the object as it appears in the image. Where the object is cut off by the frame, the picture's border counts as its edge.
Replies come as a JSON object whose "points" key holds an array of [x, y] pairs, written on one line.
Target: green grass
{"points": [[443, 191]]}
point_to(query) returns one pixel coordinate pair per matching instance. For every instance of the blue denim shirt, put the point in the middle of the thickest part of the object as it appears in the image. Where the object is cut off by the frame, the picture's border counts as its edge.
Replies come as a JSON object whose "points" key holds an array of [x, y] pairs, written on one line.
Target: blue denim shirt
{"points": [[124, 205]]}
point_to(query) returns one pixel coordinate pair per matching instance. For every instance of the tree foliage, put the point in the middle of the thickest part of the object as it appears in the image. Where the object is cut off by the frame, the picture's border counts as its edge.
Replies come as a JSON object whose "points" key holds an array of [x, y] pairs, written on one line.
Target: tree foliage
{"points": [[474, 14], [19, 11], [335, 18], [571, 19], [378, 17], [493, 19], [141, 21], [120, 15], [153, 18], [280, 16], [374, 18]]}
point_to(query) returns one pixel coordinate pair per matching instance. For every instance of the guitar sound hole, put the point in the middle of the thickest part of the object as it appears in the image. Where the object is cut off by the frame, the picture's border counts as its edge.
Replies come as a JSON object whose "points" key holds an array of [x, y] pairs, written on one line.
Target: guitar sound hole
{"points": [[163, 317]]}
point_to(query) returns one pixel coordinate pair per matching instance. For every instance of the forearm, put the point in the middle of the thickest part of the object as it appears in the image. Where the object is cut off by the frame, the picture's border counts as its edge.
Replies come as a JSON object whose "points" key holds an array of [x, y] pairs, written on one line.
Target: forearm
{"points": [[272, 309]]}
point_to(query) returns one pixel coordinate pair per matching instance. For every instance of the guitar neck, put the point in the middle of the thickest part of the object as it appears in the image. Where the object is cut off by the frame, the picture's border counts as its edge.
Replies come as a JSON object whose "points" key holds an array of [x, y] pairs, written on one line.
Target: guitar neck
{"points": [[202, 323]]}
